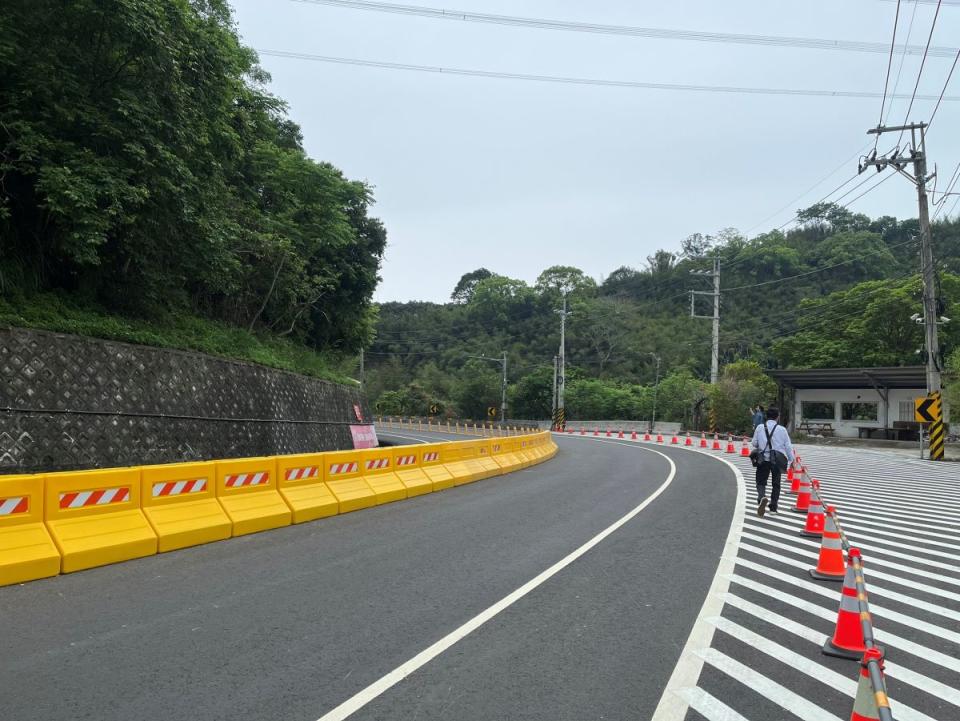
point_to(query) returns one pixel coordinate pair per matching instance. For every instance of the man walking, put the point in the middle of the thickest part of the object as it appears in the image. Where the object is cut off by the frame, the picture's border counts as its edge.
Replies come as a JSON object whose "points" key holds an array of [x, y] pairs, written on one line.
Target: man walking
{"points": [[772, 442]]}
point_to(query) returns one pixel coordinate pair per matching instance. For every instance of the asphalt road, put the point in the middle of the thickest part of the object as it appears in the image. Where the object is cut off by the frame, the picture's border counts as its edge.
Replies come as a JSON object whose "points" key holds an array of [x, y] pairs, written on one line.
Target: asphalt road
{"points": [[290, 623]]}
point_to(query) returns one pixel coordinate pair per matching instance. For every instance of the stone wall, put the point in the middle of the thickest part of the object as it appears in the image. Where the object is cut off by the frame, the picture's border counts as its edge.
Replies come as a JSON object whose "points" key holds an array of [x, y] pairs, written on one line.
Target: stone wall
{"points": [[70, 402]]}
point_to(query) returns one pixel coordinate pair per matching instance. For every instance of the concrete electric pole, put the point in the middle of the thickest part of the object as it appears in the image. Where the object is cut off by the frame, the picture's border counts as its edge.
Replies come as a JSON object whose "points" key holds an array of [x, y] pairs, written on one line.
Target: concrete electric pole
{"points": [[553, 405], [560, 419], [931, 305], [656, 386], [715, 348], [503, 391]]}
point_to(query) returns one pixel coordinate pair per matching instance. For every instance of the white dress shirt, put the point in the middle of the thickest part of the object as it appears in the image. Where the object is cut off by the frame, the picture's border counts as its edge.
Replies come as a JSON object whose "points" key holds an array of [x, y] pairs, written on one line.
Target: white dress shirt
{"points": [[779, 437]]}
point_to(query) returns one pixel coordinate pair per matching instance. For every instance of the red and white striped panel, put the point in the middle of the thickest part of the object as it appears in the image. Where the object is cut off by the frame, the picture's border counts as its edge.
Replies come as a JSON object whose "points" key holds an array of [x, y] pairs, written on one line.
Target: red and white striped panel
{"points": [[375, 464], [178, 488], [431, 456], [341, 468], [247, 479], [100, 497], [17, 504], [406, 460], [298, 474]]}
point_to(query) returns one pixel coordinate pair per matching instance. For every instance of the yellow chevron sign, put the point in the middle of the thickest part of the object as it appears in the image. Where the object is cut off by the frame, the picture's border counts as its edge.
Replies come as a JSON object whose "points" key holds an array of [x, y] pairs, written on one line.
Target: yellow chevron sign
{"points": [[929, 409]]}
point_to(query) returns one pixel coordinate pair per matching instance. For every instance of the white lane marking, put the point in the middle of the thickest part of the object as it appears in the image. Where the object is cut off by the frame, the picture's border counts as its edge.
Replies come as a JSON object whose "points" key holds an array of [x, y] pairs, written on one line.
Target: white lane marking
{"points": [[893, 670], [672, 704], [814, 670], [383, 684], [884, 637], [710, 707], [773, 691], [875, 609], [412, 438], [873, 572]]}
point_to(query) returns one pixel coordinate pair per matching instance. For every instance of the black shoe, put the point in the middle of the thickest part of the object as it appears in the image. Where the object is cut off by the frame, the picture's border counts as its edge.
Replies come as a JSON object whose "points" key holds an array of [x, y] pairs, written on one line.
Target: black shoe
{"points": [[771, 510], [762, 507]]}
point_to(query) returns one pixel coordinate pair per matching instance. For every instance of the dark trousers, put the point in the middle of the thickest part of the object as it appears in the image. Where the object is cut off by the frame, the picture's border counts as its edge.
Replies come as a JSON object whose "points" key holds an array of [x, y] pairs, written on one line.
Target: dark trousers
{"points": [[765, 471]]}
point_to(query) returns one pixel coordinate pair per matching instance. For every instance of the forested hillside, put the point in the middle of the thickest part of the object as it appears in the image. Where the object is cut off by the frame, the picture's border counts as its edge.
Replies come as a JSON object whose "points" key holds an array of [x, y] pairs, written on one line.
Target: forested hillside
{"points": [[836, 290], [151, 189]]}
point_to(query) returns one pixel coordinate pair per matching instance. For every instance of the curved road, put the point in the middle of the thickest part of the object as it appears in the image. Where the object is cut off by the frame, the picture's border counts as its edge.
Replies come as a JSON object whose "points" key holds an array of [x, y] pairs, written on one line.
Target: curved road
{"points": [[291, 623]]}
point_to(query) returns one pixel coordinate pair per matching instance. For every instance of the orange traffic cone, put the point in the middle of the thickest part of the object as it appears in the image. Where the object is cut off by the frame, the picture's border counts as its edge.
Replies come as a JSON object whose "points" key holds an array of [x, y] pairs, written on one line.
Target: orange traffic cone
{"points": [[868, 701], [803, 497], [795, 481], [716, 442], [633, 435], [608, 433], [659, 438], [620, 434], [815, 519], [745, 448], [674, 441], [730, 447], [646, 436], [596, 432], [703, 440], [688, 441], [830, 564], [847, 641]]}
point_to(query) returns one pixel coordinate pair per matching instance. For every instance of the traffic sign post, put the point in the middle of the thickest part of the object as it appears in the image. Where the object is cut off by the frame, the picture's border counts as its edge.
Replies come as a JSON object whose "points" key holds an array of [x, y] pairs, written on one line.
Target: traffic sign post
{"points": [[492, 411], [929, 410]]}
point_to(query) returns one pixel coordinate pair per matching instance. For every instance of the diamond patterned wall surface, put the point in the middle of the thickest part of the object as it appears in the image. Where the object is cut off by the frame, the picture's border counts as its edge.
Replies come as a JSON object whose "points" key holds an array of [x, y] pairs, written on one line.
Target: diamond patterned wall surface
{"points": [[87, 403]]}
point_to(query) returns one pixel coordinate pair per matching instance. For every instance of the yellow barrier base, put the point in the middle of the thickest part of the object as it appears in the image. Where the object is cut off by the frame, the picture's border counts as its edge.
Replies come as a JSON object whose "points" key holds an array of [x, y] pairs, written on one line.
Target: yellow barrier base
{"points": [[387, 487], [489, 466], [91, 541], [181, 525], [254, 512], [415, 480], [26, 553], [310, 501], [353, 494], [439, 476], [464, 472]]}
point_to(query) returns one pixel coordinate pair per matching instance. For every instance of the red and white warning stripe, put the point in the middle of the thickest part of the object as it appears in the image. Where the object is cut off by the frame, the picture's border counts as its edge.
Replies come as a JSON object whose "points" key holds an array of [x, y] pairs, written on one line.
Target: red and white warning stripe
{"points": [[100, 497], [178, 488], [298, 474], [338, 468], [247, 479], [375, 464], [17, 504], [430, 456], [406, 460]]}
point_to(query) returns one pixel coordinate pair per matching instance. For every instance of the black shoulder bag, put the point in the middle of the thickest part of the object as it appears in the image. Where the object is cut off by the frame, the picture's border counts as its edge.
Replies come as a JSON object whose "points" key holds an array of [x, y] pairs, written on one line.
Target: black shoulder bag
{"points": [[777, 459]]}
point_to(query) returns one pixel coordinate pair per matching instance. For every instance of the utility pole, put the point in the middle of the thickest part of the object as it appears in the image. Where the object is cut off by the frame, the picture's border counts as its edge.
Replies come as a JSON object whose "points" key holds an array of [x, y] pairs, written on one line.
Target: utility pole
{"points": [[918, 158], [715, 348], [561, 418], [503, 391], [361, 369], [553, 405]]}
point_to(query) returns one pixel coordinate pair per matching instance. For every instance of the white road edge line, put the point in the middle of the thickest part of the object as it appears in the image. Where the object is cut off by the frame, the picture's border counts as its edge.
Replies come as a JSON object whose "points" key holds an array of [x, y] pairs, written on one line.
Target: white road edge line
{"points": [[383, 684], [674, 702]]}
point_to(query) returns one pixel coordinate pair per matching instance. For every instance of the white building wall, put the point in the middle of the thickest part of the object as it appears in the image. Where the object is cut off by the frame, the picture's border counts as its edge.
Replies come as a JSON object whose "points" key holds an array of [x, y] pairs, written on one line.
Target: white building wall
{"points": [[848, 429]]}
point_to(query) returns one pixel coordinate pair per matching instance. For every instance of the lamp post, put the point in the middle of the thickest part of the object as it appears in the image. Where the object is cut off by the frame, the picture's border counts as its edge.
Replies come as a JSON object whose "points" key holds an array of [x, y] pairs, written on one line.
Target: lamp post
{"points": [[503, 382], [656, 385]]}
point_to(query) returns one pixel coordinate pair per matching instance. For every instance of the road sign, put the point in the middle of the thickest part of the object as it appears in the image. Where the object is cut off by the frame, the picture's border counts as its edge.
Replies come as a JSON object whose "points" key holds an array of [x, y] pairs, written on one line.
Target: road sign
{"points": [[434, 409], [492, 411], [929, 409]]}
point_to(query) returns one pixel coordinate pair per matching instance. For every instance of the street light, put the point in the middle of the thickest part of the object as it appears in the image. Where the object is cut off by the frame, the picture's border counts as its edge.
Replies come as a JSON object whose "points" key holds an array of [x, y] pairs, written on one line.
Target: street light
{"points": [[656, 385], [503, 382]]}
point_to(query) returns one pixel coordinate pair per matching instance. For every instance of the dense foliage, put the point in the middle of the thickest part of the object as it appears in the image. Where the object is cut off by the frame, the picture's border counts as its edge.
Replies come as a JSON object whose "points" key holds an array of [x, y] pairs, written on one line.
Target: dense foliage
{"points": [[837, 290], [145, 171]]}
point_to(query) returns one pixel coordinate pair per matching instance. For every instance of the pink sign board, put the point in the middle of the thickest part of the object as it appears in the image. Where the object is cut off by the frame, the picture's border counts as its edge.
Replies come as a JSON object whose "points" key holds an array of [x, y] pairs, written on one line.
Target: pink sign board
{"points": [[364, 436]]}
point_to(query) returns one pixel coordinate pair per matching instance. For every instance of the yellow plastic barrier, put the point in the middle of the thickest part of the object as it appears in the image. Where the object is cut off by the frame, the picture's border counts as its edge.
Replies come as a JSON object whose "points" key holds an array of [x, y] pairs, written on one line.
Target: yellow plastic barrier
{"points": [[504, 454], [26, 550], [300, 482], [375, 465], [94, 517], [461, 463], [341, 473], [180, 502], [433, 456], [247, 490], [405, 465]]}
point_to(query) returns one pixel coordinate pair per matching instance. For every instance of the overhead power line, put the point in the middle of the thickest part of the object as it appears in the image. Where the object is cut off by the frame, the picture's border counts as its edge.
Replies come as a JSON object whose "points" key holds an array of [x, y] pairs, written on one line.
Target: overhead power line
{"points": [[626, 30], [886, 83], [923, 62], [633, 84]]}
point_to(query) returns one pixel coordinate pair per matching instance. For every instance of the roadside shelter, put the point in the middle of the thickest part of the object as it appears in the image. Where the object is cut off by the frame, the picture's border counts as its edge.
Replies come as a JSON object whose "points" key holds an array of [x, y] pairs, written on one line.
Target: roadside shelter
{"points": [[853, 402]]}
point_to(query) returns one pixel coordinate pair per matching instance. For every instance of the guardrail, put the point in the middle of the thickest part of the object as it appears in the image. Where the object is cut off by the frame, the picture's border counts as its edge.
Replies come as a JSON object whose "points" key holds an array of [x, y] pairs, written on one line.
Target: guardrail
{"points": [[62, 522], [486, 429]]}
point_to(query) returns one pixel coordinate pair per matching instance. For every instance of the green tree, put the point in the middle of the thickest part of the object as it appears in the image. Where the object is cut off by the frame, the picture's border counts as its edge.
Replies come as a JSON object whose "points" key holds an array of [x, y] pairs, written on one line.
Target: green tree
{"points": [[463, 291]]}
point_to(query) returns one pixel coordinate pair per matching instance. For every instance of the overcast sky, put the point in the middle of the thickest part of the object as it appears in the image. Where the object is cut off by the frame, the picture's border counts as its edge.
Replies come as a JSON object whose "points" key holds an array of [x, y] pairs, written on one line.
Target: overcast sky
{"points": [[516, 176]]}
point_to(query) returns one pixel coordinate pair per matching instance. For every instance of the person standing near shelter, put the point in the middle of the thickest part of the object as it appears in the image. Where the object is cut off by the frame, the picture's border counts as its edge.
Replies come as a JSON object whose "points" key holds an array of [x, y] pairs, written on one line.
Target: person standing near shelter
{"points": [[774, 453], [758, 416]]}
